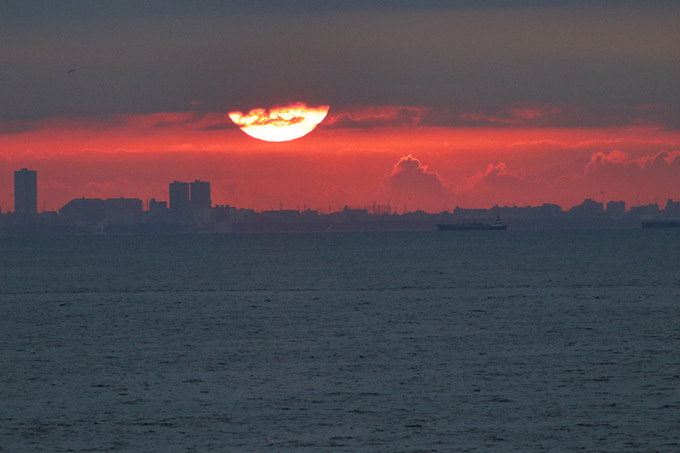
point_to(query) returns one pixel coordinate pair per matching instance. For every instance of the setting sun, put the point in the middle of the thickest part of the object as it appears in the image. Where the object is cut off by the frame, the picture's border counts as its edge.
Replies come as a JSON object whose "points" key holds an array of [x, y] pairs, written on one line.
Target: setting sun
{"points": [[280, 124]]}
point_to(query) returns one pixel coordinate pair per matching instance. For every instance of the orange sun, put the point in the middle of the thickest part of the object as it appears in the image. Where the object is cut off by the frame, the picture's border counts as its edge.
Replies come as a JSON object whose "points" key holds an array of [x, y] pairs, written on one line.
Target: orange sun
{"points": [[280, 124]]}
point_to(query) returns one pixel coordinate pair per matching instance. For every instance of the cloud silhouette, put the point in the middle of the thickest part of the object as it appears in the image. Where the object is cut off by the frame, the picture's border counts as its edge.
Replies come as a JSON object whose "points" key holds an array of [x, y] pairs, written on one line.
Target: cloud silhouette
{"points": [[410, 175], [378, 116], [497, 184], [662, 163], [412, 185], [264, 118], [494, 175]]}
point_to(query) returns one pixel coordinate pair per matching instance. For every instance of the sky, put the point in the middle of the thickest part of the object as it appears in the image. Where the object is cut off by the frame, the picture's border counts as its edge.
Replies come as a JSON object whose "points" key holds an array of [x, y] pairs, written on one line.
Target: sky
{"points": [[433, 104]]}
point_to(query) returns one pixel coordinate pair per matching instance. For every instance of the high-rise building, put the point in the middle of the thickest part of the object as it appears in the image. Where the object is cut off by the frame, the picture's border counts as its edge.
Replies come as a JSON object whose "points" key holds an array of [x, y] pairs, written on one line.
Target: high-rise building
{"points": [[180, 206], [200, 195], [179, 196], [26, 192]]}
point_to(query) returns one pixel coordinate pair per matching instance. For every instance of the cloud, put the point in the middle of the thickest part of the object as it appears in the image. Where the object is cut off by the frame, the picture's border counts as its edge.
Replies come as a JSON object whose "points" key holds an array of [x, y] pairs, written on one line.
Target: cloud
{"points": [[412, 185], [602, 160], [611, 175], [510, 116], [663, 163], [499, 184], [616, 175], [493, 176], [17, 127], [500, 115], [520, 116], [109, 188], [421, 116], [171, 119], [30, 155], [97, 123], [577, 53], [410, 175], [219, 126], [263, 117], [377, 116], [183, 147], [574, 115]]}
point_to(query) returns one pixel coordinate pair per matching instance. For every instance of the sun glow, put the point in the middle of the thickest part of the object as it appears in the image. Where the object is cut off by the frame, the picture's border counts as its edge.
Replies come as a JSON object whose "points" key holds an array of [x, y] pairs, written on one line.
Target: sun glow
{"points": [[280, 124]]}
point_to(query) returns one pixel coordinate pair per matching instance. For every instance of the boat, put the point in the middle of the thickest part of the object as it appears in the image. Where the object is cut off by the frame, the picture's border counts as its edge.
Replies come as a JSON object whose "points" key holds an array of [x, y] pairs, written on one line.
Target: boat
{"points": [[661, 223], [494, 224]]}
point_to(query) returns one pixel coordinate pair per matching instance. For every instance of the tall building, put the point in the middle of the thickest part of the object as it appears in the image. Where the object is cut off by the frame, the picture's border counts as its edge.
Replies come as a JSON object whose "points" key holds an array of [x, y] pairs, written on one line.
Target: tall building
{"points": [[26, 192], [179, 196], [180, 206], [200, 195]]}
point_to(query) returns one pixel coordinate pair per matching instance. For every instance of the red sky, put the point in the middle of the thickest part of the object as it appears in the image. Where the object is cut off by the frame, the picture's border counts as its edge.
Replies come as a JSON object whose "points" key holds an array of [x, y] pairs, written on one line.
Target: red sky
{"points": [[434, 104], [406, 163]]}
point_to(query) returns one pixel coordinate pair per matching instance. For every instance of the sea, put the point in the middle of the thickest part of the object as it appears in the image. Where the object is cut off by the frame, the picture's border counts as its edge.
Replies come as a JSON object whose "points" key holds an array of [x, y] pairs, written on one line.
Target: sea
{"points": [[471, 341]]}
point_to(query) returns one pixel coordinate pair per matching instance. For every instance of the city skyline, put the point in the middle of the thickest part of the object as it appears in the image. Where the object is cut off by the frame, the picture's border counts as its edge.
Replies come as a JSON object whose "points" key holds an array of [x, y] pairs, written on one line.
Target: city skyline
{"points": [[196, 195], [189, 210]]}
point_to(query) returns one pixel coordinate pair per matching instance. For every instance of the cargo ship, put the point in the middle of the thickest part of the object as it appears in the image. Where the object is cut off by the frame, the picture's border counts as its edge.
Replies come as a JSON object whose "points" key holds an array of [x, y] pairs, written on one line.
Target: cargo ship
{"points": [[661, 223], [495, 224]]}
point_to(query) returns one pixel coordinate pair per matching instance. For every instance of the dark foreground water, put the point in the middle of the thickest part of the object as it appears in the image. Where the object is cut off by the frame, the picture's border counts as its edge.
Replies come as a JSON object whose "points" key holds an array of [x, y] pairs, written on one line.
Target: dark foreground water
{"points": [[462, 341]]}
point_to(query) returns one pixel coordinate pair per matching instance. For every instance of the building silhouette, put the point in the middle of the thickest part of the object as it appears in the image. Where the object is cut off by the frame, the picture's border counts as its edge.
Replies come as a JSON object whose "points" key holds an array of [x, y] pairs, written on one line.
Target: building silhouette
{"points": [[180, 204], [200, 195], [91, 211], [190, 209], [616, 209], [179, 196], [589, 208], [672, 208], [158, 211], [26, 192]]}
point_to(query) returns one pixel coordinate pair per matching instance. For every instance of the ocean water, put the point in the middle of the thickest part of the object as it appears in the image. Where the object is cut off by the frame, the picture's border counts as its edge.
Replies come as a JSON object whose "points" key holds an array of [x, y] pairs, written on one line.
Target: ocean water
{"points": [[397, 342]]}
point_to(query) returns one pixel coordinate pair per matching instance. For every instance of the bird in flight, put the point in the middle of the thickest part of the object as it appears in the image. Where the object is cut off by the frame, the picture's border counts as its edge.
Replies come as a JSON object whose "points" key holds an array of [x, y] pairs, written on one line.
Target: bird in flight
{"points": [[71, 70]]}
